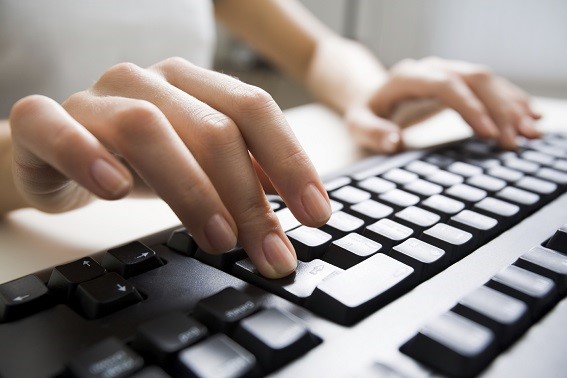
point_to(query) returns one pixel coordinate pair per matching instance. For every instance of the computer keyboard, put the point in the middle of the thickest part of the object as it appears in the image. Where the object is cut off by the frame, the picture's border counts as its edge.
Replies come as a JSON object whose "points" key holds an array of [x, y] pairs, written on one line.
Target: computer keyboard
{"points": [[448, 262]]}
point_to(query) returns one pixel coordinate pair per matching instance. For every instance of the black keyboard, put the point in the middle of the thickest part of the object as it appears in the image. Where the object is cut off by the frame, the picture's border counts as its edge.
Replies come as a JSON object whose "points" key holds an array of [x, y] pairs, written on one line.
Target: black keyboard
{"points": [[404, 234]]}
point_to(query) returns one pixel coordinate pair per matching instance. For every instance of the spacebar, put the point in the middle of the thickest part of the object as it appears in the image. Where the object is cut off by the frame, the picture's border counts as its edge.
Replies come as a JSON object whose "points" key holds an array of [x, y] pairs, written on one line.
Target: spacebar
{"points": [[349, 296]]}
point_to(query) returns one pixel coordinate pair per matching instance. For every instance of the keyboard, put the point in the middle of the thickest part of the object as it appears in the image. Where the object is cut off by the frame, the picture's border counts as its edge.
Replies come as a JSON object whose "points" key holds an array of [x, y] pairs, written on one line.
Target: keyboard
{"points": [[442, 262]]}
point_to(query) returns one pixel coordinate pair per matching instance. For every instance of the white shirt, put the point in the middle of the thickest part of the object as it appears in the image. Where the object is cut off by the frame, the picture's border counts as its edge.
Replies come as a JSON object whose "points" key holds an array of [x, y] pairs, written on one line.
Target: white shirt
{"points": [[59, 47]]}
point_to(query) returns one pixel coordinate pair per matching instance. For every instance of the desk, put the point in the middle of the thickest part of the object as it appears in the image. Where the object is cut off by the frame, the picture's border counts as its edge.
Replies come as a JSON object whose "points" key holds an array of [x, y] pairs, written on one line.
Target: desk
{"points": [[31, 241]]}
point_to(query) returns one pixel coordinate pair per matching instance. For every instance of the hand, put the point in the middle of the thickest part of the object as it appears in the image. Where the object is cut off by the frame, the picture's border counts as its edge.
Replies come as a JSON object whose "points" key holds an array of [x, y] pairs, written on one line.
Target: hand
{"points": [[491, 105], [203, 141]]}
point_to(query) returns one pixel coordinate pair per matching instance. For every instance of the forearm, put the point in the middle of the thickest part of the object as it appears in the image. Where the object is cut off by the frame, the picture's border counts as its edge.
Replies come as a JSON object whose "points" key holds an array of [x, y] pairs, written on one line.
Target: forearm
{"points": [[10, 198], [343, 73]]}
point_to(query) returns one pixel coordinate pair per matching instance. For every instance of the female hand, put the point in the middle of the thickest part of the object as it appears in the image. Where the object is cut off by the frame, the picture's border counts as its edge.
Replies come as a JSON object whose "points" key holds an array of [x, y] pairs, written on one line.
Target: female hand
{"points": [[492, 106], [203, 141]]}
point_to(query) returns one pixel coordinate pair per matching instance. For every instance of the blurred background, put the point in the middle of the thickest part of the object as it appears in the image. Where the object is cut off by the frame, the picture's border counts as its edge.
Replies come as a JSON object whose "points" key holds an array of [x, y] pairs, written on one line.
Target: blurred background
{"points": [[525, 41]]}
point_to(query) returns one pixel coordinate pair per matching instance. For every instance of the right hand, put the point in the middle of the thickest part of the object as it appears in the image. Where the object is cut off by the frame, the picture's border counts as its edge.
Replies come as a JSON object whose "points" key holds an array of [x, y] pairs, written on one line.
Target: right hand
{"points": [[203, 141]]}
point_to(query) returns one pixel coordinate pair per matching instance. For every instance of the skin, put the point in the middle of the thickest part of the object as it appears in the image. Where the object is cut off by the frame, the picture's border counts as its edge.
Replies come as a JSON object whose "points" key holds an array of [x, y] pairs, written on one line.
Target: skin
{"points": [[225, 142]]}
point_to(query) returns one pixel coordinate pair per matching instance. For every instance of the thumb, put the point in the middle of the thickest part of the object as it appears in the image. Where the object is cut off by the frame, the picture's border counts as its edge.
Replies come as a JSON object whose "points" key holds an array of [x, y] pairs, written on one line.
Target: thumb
{"points": [[373, 132]]}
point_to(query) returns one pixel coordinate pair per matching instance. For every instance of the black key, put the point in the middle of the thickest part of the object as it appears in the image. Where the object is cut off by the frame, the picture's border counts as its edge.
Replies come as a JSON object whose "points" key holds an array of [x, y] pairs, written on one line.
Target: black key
{"points": [[502, 211], [558, 241], [399, 199], [131, 259], [400, 176], [416, 218], [276, 338], [422, 168], [350, 250], [425, 259], [295, 287], [309, 243], [423, 188], [342, 223], [464, 169], [371, 210], [444, 206], [506, 316], [350, 195], [552, 175], [480, 226], [504, 173], [537, 291], [22, 297], [388, 233], [488, 183], [457, 243], [161, 338], [222, 311], [182, 241], [65, 278], [353, 294], [453, 345], [445, 178], [151, 372], [217, 357], [548, 263], [376, 185], [107, 358], [105, 295], [441, 161], [221, 261], [466, 193]]}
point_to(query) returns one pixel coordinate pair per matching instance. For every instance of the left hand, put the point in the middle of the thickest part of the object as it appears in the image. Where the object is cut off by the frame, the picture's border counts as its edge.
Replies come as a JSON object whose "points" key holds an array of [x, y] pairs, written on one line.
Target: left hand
{"points": [[492, 106]]}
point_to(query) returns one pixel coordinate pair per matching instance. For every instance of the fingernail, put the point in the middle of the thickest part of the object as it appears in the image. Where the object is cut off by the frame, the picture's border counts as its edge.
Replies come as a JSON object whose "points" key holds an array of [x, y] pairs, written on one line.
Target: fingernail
{"points": [[219, 234], [109, 177], [315, 204], [282, 260], [390, 142]]}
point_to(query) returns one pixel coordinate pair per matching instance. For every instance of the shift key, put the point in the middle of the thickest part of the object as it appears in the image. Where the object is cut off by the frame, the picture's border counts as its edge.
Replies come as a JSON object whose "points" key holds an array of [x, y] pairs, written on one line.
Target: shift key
{"points": [[349, 296]]}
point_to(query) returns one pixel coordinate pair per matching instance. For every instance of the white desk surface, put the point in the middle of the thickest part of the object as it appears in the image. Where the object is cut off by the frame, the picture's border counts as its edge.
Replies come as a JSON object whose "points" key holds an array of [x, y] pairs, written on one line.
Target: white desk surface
{"points": [[31, 241]]}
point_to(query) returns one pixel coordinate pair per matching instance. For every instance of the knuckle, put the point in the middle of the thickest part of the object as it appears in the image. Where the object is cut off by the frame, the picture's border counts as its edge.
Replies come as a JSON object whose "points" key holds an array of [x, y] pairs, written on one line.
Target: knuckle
{"points": [[27, 107], [479, 73], [139, 117], [119, 74], [403, 65], [249, 99], [258, 213], [219, 129], [173, 62]]}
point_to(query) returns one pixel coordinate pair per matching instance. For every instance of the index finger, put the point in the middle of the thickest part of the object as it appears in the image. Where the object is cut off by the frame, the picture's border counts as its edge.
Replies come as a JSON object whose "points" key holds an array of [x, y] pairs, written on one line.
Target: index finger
{"points": [[265, 131]]}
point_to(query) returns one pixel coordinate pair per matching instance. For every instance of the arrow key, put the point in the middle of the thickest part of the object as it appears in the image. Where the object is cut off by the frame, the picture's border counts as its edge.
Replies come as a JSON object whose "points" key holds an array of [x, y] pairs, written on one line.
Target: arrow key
{"points": [[105, 295], [131, 259], [22, 297], [65, 278]]}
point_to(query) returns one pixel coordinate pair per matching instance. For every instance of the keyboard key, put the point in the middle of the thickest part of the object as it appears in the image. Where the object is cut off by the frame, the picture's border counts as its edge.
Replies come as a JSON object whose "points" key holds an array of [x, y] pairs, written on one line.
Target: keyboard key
{"points": [[464, 169], [507, 174], [558, 242], [445, 178], [536, 185], [131, 259], [518, 196], [182, 241], [498, 209], [535, 290], [371, 210], [538, 157], [466, 193], [376, 185], [444, 206], [309, 243], [488, 183], [552, 175], [222, 311], [337, 183], [399, 199], [480, 226], [276, 338], [105, 295], [548, 263], [287, 220], [388, 233], [351, 295], [522, 165], [350, 195], [560, 165], [506, 316], [400, 176], [65, 278], [425, 259], [416, 218], [160, 339], [297, 286], [335, 205], [342, 223], [107, 358], [22, 297], [422, 168], [457, 243], [217, 357], [423, 188], [439, 160], [350, 250], [453, 345], [151, 372], [222, 261]]}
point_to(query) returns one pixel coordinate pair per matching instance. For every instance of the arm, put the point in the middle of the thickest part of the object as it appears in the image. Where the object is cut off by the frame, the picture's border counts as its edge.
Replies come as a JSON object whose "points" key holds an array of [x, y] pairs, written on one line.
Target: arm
{"points": [[346, 76]]}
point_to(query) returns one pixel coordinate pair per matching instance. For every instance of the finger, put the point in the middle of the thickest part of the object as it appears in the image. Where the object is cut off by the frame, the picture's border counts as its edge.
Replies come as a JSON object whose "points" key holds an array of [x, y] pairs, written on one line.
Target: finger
{"points": [[265, 131], [139, 131], [47, 137], [372, 132]]}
